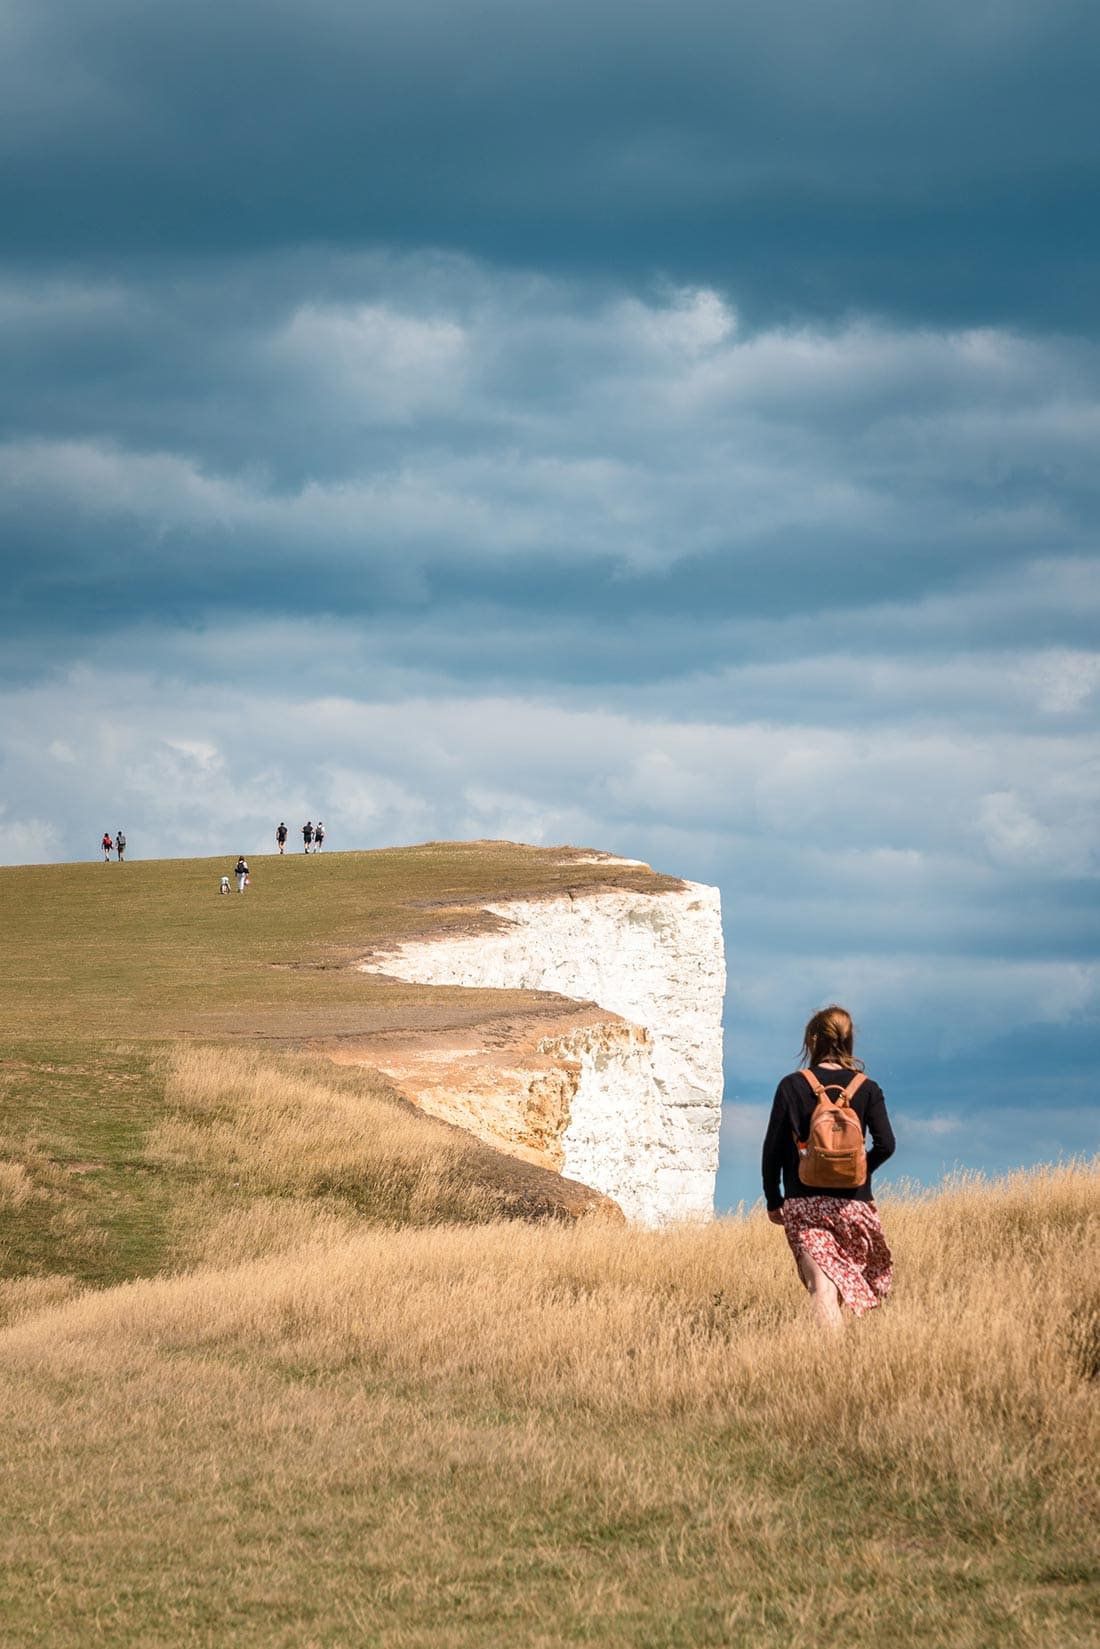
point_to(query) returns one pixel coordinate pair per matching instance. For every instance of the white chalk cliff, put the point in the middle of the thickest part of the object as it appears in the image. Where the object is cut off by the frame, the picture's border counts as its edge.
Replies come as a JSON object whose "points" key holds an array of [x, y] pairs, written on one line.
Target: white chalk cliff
{"points": [[620, 1086]]}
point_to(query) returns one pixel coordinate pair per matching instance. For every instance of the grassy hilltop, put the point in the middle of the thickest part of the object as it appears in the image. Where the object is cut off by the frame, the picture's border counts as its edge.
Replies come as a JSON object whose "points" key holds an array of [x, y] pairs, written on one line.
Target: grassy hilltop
{"points": [[281, 1368], [151, 950]]}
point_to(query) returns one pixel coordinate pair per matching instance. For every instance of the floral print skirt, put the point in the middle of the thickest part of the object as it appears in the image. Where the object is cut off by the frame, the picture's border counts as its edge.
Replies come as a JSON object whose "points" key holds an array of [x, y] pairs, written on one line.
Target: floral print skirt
{"points": [[846, 1239]]}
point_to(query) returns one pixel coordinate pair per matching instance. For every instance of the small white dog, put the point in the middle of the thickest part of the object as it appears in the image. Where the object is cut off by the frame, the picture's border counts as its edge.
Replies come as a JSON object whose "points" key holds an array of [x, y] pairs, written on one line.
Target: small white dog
{"points": [[225, 885]]}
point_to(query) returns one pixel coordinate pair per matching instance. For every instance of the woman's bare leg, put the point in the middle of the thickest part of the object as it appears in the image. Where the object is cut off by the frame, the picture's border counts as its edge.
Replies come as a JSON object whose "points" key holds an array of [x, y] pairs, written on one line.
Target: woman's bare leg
{"points": [[823, 1294]]}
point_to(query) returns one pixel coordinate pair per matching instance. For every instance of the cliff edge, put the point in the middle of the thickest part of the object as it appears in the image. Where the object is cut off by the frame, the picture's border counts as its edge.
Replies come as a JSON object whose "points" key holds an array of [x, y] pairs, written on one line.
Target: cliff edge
{"points": [[614, 1076]]}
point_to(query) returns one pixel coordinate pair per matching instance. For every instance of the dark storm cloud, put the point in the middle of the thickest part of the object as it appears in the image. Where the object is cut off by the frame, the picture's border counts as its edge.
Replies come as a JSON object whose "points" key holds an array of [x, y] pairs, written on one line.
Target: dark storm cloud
{"points": [[317, 435], [938, 160]]}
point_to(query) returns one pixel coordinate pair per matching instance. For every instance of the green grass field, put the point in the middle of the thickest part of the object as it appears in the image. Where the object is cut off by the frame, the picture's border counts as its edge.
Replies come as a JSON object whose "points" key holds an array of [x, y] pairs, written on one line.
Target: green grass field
{"points": [[279, 1366]]}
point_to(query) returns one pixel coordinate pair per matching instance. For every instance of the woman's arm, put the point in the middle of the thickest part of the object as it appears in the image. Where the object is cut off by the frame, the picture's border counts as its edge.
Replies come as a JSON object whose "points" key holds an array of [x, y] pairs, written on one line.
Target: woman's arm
{"points": [[772, 1157], [883, 1143]]}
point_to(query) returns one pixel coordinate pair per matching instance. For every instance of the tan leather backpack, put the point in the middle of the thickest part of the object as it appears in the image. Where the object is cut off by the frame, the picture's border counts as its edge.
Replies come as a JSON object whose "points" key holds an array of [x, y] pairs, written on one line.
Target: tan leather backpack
{"points": [[832, 1156]]}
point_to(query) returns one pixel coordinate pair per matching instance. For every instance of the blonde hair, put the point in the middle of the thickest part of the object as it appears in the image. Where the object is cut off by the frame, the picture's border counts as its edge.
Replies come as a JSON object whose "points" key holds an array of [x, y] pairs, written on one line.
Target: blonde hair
{"points": [[829, 1038]]}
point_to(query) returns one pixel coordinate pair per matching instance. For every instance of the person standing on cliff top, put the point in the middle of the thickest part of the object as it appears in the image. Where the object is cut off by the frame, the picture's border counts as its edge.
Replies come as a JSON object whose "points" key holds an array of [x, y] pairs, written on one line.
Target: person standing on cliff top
{"points": [[814, 1143], [106, 844], [307, 835], [120, 846], [318, 836], [280, 836]]}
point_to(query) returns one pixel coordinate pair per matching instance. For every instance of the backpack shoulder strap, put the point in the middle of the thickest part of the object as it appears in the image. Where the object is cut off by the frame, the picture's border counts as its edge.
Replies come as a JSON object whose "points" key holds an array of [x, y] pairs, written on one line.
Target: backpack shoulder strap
{"points": [[819, 1090]]}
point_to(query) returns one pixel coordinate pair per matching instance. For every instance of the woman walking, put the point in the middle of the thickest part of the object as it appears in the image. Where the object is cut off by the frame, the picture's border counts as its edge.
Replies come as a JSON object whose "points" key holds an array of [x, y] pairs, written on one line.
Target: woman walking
{"points": [[817, 1174]]}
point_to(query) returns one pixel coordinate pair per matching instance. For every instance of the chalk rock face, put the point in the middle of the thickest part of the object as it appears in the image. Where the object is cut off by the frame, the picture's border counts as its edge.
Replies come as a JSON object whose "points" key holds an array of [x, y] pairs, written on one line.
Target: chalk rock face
{"points": [[636, 1084]]}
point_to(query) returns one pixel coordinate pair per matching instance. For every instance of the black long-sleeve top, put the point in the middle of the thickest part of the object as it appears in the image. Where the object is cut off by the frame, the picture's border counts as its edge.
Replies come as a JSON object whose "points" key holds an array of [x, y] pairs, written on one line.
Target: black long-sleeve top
{"points": [[792, 1108]]}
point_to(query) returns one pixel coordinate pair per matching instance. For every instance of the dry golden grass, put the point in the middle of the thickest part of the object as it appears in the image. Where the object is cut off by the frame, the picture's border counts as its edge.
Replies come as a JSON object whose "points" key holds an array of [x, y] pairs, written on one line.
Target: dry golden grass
{"points": [[24, 1296], [995, 1290], [338, 1411], [299, 1128], [553, 1435], [273, 1149], [16, 1185]]}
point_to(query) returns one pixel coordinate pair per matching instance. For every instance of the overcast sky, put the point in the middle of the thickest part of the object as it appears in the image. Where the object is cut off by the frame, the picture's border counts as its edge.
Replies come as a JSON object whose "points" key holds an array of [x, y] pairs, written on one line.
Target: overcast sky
{"points": [[666, 428]]}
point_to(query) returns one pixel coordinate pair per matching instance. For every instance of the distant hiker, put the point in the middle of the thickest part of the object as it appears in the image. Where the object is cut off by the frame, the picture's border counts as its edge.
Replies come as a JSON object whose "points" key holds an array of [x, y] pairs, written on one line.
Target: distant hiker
{"points": [[240, 871], [318, 836], [280, 837], [225, 888], [815, 1142], [120, 845], [106, 844], [307, 834]]}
